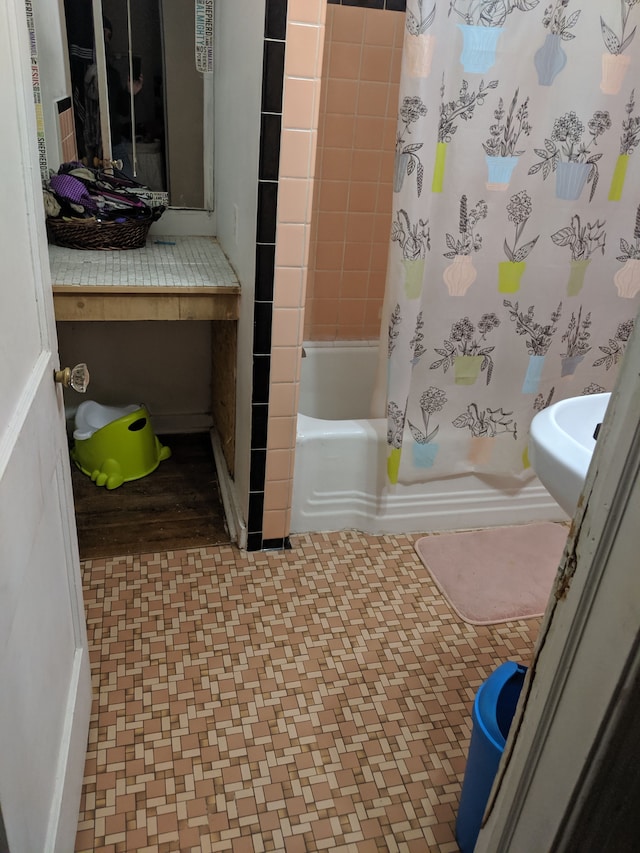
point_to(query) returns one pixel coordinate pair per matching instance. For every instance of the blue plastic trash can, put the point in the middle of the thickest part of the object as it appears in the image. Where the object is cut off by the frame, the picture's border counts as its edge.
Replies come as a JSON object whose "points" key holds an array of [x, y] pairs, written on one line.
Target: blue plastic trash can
{"points": [[493, 710]]}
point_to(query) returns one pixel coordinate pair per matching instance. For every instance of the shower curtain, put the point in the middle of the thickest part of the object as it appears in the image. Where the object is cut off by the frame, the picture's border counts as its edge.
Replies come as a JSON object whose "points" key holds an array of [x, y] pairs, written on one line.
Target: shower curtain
{"points": [[514, 263]]}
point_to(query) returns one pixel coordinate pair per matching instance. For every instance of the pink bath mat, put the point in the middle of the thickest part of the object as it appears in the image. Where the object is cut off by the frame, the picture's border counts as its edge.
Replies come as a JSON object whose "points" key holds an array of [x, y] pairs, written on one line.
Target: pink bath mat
{"points": [[495, 575]]}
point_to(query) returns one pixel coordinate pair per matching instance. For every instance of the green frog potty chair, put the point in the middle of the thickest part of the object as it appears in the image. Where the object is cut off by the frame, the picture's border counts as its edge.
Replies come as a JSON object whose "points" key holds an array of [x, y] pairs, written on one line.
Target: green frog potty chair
{"points": [[114, 445]]}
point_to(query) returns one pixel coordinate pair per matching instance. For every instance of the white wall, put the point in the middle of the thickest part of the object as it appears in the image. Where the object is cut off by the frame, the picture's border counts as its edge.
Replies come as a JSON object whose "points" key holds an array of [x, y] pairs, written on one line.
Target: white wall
{"points": [[239, 33], [165, 365], [184, 88], [53, 72]]}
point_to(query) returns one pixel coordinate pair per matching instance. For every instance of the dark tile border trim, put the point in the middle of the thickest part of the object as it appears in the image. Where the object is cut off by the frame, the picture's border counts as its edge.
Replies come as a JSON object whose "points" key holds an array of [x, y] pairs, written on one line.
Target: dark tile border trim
{"points": [[388, 5], [275, 26], [276, 544]]}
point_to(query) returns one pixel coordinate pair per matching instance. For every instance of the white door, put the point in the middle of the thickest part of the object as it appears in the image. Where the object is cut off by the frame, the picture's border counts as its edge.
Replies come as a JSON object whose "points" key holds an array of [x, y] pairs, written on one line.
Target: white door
{"points": [[45, 687], [582, 687]]}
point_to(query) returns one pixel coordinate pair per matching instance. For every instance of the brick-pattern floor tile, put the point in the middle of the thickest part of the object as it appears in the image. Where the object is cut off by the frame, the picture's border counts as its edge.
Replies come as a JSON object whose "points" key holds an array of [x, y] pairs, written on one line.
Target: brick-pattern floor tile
{"points": [[304, 700]]}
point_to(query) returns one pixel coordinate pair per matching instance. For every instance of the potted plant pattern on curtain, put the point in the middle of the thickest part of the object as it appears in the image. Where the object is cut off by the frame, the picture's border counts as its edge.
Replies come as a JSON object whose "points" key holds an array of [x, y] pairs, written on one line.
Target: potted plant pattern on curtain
{"points": [[513, 277]]}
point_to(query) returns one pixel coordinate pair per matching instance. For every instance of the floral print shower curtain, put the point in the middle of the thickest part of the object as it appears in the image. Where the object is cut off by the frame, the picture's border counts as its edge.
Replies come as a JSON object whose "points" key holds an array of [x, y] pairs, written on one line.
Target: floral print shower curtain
{"points": [[514, 264]]}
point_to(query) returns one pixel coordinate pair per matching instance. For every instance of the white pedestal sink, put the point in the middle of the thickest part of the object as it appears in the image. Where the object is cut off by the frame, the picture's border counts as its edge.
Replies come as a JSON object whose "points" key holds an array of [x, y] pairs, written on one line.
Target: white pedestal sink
{"points": [[561, 444]]}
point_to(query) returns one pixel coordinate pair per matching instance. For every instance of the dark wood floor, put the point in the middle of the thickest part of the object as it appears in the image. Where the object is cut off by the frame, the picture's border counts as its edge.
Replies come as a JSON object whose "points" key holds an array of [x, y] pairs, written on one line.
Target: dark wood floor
{"points": [[177, 506]]}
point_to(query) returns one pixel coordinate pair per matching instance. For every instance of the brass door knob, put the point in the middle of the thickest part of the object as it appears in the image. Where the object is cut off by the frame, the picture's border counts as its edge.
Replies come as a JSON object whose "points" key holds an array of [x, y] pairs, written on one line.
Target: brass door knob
{"points": [[73, 377]]}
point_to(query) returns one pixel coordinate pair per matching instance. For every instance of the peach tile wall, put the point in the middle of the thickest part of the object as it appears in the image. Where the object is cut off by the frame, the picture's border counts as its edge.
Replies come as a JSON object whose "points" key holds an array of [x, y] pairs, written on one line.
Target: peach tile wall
{"points": [[300, 110], [351, 213], [67, 136], [339, 124]]}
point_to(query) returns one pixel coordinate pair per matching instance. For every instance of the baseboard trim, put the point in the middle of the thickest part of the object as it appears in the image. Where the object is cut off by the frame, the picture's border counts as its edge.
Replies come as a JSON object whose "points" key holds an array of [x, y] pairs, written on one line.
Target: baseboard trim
{"points": [[235, 521]]}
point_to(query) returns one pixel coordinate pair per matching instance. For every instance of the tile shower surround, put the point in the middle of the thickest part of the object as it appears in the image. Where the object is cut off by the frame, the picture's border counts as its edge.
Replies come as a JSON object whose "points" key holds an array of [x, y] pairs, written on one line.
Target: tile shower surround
{"points": [[352, 205], [289, 120], [66, 130]]}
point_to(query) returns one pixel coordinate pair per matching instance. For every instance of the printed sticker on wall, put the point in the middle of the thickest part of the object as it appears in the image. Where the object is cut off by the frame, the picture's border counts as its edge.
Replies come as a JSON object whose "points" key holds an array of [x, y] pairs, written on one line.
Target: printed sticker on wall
{"points": [[551, 58], [204, 36], [451, 112], [510, 271], [419, 45], [569, 157], [501, 148], [461, 273], [37, 92], [583, 240], [538, 337], [629, 139]]}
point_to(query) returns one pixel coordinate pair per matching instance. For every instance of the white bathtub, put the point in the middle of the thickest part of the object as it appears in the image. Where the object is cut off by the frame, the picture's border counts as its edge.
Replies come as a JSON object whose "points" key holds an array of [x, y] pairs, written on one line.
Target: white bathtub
{"points": [[340, 464]]}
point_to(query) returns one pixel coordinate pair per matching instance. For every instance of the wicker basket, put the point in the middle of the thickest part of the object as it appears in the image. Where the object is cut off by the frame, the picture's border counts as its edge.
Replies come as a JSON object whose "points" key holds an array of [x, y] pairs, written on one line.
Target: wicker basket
{"points": [[89, 234]]}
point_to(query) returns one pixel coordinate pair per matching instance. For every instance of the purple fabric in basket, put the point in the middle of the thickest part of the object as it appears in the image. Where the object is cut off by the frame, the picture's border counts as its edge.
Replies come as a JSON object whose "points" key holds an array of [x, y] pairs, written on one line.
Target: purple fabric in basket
{"points": [[71, 189]]}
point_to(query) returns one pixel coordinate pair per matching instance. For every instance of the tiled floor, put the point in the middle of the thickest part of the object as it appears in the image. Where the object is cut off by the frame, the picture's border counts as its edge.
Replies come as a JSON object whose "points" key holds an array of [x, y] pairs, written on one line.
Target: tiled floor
{"points": [[314, 699]]}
